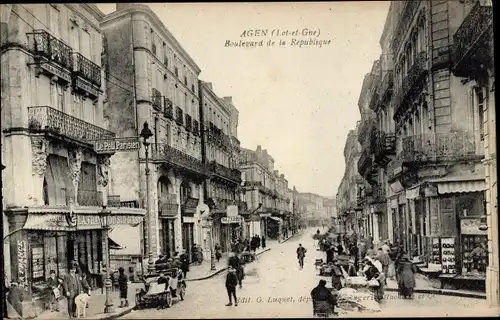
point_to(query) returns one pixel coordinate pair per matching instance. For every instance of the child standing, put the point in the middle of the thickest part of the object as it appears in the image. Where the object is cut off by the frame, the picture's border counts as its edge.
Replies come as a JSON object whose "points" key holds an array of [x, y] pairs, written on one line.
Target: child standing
{"points": [[231, 283]]}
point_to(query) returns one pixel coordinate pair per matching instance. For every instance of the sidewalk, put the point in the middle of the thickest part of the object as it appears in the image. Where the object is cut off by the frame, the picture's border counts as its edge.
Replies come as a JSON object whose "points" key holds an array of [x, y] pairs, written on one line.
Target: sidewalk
{"points": [[96, 305]]}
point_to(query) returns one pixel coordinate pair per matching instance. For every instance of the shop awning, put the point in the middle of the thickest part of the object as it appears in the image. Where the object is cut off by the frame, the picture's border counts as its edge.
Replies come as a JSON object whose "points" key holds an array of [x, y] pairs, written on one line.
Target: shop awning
{"points": [[113, 245], [47, 222], [276, 219], [461, 186]]}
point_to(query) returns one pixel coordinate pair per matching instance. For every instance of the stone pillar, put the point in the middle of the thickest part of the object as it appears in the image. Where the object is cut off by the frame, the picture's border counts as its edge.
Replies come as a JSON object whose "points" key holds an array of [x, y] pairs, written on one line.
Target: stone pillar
{"points": [[39, 151], [75, 157]]}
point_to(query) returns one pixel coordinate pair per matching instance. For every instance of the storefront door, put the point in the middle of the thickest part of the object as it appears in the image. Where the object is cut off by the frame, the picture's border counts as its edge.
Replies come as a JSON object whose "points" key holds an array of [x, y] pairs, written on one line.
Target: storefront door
{"points": [[188, 238]]}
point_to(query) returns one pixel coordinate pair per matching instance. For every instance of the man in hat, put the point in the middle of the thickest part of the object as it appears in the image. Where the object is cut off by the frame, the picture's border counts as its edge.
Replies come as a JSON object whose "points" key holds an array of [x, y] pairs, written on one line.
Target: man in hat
{"points": [[72, 287], [324, 301]]}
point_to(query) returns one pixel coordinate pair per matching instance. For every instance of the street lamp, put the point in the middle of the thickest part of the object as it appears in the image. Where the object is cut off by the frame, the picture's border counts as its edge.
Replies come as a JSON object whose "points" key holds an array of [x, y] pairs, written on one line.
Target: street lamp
{"points": [[105, 213], [145, 135], [212, 251]]}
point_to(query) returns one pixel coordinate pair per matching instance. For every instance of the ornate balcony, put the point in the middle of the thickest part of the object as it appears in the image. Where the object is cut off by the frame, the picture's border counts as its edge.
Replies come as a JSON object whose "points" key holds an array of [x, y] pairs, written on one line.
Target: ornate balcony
{"points": [[374, 100], [52, 121], [253, 184], [156, 99], [450, 146], [366, 129], [189, 123], [384, 147], [365, 162], [196, 128], [89, 198], [386, 86], [472, 42], [169, 108], [181, 161], [232, 175], [179, 116], [236, 142], [86, 76], [53, 56], [415, 75], [378, 194], [403, 23]]}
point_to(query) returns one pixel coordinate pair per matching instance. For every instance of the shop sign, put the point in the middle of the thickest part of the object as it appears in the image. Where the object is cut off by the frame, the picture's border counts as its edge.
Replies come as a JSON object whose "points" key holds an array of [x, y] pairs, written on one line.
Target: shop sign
{"points": [[22, 263], [471, 226], [227, 220], [114, 201], [431, 191], [116, 145], [95, 220]]}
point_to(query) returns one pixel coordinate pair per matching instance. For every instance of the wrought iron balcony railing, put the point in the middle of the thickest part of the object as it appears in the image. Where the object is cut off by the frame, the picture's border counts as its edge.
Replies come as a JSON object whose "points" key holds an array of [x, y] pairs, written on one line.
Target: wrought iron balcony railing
{"points": [[233, 175], [471, 41], [189, 124], [165, 153], [89, 198], [236, 142], [156, 99], [442, 146], [169, 108], [416, 73], [366, 129], [53, 49], [403, 23], [378, 194], [43, 118], [386, 85], [87, 69], [179, 116], [196, 128], [253, 184]]}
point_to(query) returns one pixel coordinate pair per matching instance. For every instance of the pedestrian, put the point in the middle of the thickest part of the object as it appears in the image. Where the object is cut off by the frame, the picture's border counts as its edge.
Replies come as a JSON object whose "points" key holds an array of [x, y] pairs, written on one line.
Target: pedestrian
{"points": [[218, 253], [336, 275], [385, 260], [183, 258], [52, 294], [85, 286], [373, 271], [385, 247], [231, 283], [324, 302], [123, 286], [263, 241], [406, 277], [257, 241], [236, 263], [72, 287]]}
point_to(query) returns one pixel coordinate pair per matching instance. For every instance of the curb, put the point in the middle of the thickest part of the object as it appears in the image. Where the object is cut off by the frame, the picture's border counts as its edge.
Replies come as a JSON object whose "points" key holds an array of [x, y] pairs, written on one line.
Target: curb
{"points": [[444, 293], [290, 237], [114, 315], [223, 269]]}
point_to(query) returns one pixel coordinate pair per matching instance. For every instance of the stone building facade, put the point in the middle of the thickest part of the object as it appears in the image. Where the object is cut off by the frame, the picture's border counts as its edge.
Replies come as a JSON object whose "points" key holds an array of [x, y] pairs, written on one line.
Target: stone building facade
{"points": [[55, 182], [152, 79]]}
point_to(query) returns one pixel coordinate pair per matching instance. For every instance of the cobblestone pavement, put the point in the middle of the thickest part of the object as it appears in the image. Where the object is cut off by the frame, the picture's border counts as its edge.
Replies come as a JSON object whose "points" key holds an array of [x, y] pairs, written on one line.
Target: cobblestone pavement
{"points": [[276, 287]]}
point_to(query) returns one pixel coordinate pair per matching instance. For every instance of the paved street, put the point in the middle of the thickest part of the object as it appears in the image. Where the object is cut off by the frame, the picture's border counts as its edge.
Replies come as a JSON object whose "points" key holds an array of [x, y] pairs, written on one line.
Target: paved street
{"points": [[280, 289]]}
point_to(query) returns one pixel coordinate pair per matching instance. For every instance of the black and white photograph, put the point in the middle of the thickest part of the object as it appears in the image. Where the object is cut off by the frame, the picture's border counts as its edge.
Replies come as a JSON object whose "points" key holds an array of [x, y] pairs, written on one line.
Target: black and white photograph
{"points": [[225, 160]]}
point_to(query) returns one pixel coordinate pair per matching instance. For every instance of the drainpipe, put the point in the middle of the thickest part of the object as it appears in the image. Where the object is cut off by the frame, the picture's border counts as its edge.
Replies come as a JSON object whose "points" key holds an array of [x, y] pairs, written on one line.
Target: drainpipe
{"points": [[430, 49]]}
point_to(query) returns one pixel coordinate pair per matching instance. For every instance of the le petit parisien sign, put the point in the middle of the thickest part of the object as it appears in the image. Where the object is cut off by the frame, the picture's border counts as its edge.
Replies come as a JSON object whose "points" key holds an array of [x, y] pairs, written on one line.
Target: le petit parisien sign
{"points": [[115, 145]]}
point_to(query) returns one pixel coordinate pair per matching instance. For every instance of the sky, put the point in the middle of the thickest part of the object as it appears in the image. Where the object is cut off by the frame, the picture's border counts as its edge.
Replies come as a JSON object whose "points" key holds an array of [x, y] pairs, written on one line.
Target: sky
{"points": [[299, 103]]}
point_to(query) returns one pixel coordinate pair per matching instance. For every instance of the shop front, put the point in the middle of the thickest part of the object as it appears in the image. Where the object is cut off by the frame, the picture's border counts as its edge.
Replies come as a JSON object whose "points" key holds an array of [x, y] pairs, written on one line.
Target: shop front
{"points": [[45, 239]]}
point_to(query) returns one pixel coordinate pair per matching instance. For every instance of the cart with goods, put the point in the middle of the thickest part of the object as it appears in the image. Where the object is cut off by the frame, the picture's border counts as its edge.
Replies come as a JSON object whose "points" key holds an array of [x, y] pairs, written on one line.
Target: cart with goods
{"points": [[155, 293]]}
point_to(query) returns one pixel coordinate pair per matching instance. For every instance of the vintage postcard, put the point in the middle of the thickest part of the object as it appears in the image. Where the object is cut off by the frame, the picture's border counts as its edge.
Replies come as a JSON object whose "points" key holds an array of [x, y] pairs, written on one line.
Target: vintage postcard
{"points": [[249, 160]]}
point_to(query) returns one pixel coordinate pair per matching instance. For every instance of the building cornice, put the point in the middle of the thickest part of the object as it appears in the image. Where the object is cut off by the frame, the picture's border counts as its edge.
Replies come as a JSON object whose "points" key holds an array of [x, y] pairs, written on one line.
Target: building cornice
{"points": [[74, 8], [141, 8]]}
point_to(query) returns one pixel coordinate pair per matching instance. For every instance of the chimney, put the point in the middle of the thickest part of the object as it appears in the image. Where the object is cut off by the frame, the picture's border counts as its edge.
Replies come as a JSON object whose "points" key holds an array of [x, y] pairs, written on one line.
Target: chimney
{"points": [[265, 151], [209, 85], [282, 176], [259, 148]]}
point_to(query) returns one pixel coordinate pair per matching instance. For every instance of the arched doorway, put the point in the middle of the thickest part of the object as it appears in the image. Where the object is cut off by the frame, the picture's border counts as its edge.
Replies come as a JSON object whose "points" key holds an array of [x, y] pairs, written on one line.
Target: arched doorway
{"points": [[166, 214]]}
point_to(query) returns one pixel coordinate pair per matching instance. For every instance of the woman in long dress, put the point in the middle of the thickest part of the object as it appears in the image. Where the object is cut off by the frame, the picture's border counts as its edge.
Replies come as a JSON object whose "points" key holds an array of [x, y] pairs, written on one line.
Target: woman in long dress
{"points": [[406, 277], [374, 272]]}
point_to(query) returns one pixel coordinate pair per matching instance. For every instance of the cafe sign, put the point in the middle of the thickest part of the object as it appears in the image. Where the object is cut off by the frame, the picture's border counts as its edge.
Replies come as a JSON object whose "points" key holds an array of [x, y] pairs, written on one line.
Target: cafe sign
{"points": [[228, 220], [116, 145], [471, 226]]}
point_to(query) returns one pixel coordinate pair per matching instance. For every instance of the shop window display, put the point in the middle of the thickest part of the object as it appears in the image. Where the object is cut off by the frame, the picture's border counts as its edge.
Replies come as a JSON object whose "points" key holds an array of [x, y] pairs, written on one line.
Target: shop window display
{"points": [[475, 255], [448, 256]]}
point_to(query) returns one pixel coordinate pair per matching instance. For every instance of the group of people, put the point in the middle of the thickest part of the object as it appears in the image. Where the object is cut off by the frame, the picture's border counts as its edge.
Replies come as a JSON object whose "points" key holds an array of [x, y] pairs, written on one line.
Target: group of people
{"points": [[180, 260], [256, 242]]}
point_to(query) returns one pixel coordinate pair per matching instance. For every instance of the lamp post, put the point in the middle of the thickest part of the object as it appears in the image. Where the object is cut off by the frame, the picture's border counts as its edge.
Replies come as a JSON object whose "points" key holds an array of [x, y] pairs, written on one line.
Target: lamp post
{"points": [[212, 253], [108, 304], [145, 135]]}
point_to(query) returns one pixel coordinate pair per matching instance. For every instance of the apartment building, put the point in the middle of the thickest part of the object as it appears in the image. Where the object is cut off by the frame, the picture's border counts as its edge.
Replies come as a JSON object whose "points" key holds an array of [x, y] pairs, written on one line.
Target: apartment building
{"points": [[426, 109], [266, 194], [151, 78], [55, 181], [220, 150], [349, 212]]}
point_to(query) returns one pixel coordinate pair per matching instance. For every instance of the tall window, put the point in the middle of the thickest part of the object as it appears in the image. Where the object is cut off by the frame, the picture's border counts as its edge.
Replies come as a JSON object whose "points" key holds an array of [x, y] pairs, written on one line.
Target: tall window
{"points": [[60, 98], [54, 20], [85, 44], [480, 110]]}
